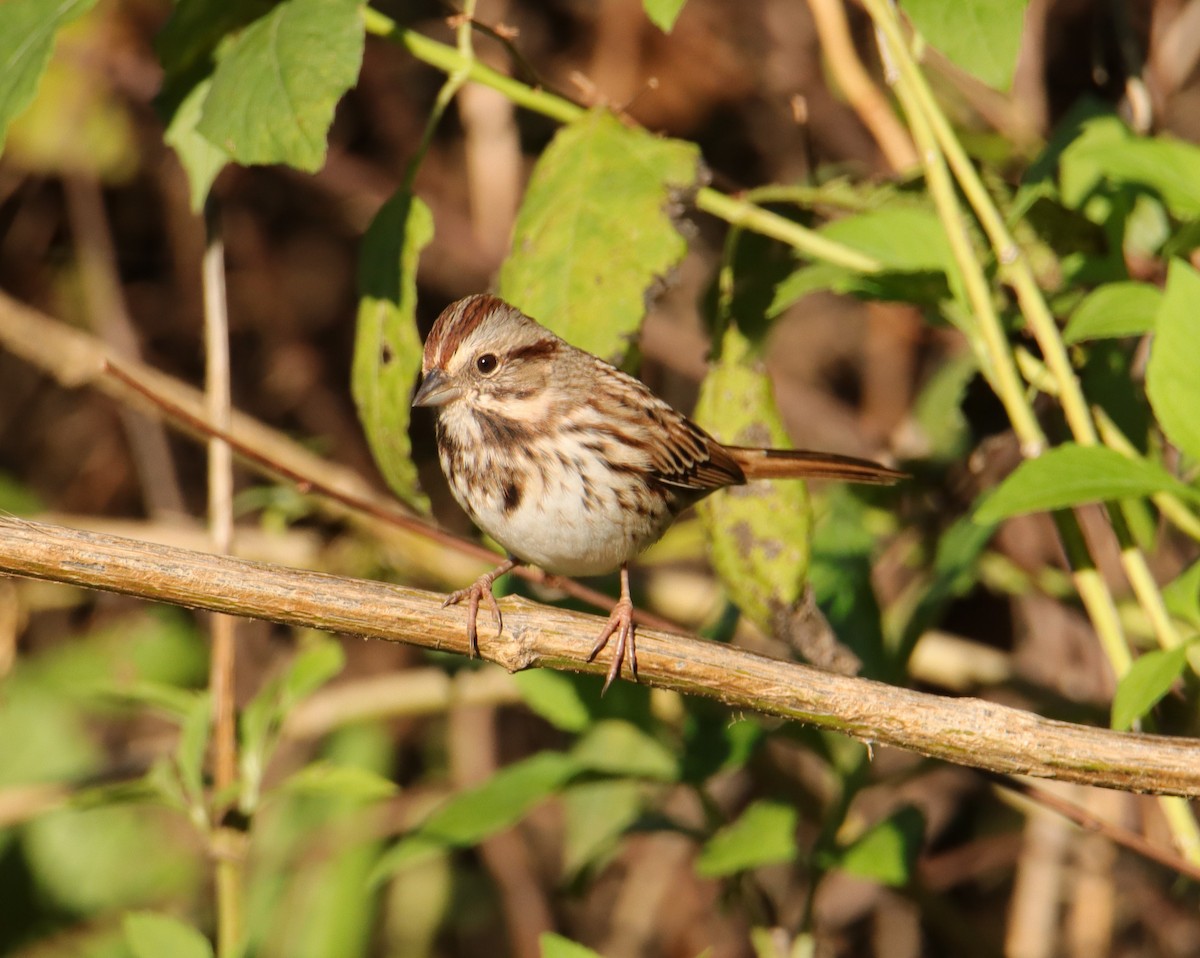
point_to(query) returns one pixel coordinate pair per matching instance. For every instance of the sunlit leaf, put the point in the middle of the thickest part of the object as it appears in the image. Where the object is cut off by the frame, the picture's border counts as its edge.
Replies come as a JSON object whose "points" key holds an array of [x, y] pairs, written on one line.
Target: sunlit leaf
{"points": [[347, 781], [556, 697], [1071, 475], [764, 834], [387, 346], [1182, 595], [277, 83], [556, 946], [27, 32], [887, 852], [597, 814], [759, 533], [617, 747], [595, 231], [663, 13], [1173, 375], [1146, 682], [501, 801], [1115, 309], [153, 935], [981, 37], [201, 159]]}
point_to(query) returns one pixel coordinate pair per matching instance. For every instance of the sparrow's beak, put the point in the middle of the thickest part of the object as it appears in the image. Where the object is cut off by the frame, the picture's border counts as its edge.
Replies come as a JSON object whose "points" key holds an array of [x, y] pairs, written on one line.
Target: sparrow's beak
{"points": [[435, 390]]}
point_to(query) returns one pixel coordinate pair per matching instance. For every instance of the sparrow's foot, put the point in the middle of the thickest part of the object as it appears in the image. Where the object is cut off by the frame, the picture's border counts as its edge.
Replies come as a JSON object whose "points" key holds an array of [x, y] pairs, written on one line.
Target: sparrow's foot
{"points": [[477, 590], [620, 624]]}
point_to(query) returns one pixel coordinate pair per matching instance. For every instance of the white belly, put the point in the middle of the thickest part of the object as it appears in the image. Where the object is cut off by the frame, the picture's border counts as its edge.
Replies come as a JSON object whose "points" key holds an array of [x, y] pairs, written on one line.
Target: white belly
{"points": [[566, 519]]}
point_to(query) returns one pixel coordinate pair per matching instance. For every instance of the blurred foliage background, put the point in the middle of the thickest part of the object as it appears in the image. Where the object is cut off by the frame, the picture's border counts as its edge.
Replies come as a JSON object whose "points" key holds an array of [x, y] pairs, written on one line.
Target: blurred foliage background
{"points": [[392, 802]]}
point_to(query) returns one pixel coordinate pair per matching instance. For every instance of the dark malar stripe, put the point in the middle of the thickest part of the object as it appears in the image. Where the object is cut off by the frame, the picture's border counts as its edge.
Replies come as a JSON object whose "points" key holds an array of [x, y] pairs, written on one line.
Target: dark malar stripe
{"points": [[501, 432]]}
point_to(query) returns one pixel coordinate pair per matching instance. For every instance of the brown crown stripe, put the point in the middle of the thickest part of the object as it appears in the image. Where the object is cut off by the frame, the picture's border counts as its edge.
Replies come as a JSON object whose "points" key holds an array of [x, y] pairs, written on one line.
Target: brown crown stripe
{"points": [[458, 322]]}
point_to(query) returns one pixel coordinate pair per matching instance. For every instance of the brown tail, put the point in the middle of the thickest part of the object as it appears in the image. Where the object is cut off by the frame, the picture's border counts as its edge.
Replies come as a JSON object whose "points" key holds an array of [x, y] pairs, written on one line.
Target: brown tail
{"points": [[802, 464]]}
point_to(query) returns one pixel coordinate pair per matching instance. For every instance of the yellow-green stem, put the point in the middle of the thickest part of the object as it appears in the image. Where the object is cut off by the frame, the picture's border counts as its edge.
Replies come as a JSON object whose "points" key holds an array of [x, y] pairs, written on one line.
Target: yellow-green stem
{"points": [[731, 209]]}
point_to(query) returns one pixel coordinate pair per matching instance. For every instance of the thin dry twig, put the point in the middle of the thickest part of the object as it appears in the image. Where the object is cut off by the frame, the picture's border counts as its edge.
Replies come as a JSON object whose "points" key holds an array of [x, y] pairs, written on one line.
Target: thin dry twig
{"points": [[965, 731]]}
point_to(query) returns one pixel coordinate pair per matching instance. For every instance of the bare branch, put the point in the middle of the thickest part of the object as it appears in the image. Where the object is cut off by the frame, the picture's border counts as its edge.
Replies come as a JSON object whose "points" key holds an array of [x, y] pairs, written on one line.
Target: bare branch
{"points": [[965, 731]]}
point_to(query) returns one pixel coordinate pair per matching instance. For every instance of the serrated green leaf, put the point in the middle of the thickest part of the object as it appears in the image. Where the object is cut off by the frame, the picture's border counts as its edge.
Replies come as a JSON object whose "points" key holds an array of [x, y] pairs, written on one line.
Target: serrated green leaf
{"points": [[556, 697], [1071, 475], [152, 935], [346, 781], [556, 946], [501, 801], [28, 29], [982, 37], [1173, 374], [663, 13], [1113, 310], [764, 834], [617, 747], [277, 83], [387, 346], [887, 852], [759, 533], [201, 159], [1182, 595], [594, 232], [1146, 682], [597, 814]]}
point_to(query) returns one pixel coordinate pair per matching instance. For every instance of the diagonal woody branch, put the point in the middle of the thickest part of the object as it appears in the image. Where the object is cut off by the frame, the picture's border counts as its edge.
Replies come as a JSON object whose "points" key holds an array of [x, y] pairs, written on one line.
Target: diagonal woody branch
{"points": [[965, 731]]}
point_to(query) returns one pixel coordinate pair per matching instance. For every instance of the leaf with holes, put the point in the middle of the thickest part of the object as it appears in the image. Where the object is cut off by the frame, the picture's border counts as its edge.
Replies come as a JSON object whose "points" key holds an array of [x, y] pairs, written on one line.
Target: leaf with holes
{"points": [[387, 346]]}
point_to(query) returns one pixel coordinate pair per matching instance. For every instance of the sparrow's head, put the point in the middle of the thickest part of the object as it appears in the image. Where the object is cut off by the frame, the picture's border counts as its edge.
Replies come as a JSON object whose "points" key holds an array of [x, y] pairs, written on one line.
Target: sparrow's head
{"points": [[481, 349]]}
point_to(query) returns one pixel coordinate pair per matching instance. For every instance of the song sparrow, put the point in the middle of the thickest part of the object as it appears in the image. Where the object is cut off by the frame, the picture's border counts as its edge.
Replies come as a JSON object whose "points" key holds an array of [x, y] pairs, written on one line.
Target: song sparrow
{"points": [[569, 463]]}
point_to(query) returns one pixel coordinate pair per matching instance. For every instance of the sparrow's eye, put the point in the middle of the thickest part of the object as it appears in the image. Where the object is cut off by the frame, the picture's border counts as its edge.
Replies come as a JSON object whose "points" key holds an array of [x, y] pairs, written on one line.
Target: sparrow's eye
{"points": [[487, 363]]}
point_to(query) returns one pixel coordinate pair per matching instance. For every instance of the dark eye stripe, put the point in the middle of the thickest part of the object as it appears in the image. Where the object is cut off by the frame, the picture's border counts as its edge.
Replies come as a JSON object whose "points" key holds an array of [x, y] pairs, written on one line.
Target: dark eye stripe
{"points": [[543, 347]]}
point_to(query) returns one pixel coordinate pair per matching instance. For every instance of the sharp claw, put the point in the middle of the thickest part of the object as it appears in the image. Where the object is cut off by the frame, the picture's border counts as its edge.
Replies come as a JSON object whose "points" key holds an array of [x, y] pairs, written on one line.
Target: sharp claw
{"points": [[496, 612], [472, 620], [475, 592], [620, 624]]}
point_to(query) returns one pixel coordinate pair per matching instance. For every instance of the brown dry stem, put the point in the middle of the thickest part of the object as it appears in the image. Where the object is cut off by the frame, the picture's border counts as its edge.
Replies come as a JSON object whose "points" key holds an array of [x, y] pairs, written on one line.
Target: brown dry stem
{"points": [[966, 731]]}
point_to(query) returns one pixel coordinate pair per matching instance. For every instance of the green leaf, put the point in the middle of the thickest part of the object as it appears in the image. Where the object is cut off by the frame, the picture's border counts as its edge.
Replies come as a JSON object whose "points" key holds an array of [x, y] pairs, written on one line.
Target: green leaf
{"points": [[556, 946], [1173, 374], [27, 32], [556, 697], [908, 242], [597, 814], [501, 801], [617, 747], [201, 160], [1182, 595], [151, 935], [1071, 475], [1146, 682], [982, 37], [1171, 168], [346, 781], [595, 232], [1114, 310], [887, 852], [663, 13], [764, 834], [759, 533], [277, 83], [387, 346], [474, 814]]}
